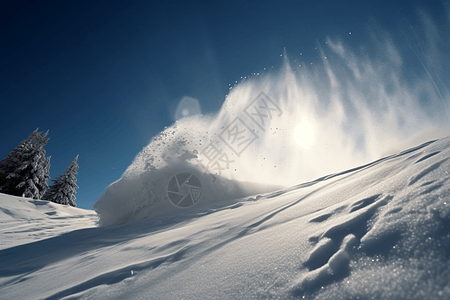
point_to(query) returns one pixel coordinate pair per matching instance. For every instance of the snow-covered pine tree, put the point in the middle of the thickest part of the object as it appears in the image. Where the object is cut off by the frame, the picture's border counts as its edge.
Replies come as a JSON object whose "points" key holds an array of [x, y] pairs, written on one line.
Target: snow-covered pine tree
{"points": [[64, 187], [10, 163], [34, 171], [26, 170], [45, 176]]}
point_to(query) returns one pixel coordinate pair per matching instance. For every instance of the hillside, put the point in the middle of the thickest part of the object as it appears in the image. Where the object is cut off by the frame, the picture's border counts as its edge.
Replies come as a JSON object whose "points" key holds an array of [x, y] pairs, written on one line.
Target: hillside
{"points": [[380, 231]]}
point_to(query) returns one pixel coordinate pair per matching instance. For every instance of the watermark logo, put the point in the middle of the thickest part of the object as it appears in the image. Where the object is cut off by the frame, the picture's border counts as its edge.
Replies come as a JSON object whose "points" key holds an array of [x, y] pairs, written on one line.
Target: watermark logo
{"points": [[184, 190], [238, 135], [260, 110]]}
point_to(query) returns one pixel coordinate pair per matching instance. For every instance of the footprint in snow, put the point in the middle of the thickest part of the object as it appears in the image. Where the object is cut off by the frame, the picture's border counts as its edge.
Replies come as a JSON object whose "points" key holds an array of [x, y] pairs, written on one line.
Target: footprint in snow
{"points": [[330, 258]]}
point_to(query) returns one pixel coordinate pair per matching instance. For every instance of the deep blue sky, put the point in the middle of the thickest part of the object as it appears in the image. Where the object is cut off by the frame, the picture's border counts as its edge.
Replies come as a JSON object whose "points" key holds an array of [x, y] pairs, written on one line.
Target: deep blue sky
{"points": [[105, 76]]}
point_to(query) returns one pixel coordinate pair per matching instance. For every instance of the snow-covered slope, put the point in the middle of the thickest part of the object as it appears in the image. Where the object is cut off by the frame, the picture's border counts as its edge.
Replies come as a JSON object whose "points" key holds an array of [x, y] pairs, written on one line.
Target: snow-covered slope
{"points": [[381, 231], [24, 220]]}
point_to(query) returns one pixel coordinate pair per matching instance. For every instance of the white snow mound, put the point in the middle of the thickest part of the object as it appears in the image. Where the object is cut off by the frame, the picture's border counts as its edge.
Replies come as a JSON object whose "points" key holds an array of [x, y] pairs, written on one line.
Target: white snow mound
{"points": [[23, 220], [154, 184]]}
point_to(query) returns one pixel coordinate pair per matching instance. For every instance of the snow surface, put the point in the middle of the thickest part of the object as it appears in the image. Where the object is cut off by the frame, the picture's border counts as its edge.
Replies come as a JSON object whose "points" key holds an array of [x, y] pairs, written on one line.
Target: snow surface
{"points": [[380, 231], [24, 220]]}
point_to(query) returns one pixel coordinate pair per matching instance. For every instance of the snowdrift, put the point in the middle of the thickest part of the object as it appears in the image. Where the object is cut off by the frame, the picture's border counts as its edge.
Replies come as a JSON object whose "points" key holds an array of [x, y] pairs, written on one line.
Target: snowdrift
{"points": [[22, 219], [144, 196], [153, 184], [14, 208], [379, 231]]}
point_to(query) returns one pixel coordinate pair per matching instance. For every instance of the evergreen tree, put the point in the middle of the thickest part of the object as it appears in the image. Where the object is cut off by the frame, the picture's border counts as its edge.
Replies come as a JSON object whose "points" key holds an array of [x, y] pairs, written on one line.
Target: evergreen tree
{"points": [[63, 189], [45, 177], [26, 170], [10, 163]]}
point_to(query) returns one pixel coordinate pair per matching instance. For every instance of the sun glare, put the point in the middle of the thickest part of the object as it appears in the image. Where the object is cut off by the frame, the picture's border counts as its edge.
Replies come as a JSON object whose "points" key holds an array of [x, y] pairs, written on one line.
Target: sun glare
{"points": [[304, 134]]}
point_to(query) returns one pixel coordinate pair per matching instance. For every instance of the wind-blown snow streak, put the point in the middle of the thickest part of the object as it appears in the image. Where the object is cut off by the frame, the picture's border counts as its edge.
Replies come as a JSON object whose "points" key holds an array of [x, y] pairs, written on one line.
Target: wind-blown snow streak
{"points": [[350, 107]]}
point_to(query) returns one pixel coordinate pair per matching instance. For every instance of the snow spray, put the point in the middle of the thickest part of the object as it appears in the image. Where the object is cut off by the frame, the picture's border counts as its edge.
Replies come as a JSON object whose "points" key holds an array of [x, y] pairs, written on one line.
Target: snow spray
{"points": [[287, 126]]}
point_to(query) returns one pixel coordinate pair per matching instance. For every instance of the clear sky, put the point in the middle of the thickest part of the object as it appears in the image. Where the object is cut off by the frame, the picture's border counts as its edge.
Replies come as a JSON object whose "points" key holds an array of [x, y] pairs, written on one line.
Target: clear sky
{"points": [[105, 76]]}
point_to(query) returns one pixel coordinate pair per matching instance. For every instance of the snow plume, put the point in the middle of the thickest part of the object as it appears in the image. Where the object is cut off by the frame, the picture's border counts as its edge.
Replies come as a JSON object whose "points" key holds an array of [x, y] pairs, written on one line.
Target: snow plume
{"points": [[306, 120]]}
